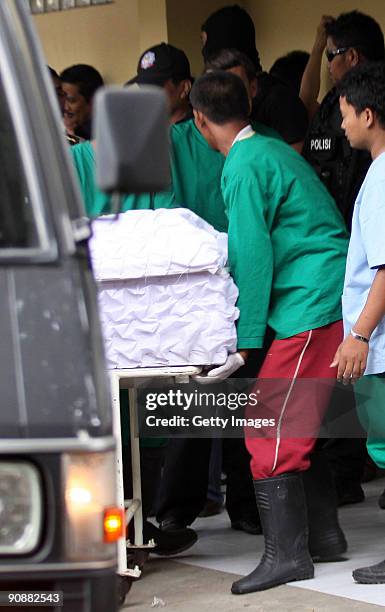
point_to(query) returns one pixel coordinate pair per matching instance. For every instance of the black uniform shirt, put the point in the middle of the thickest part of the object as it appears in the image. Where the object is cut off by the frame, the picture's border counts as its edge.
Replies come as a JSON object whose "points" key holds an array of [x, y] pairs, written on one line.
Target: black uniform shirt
{"points": [[341, 168], [278, 106]]}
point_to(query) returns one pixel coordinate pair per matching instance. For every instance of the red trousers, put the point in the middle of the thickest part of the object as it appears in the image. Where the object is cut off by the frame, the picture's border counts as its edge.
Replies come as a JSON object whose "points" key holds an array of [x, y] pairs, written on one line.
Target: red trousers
{"points": [[294, 393]]}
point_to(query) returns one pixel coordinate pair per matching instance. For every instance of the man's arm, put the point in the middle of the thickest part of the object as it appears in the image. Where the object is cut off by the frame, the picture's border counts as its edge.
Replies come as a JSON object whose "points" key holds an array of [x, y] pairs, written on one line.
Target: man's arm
{"points": [[251, 266], [351, 356], [311, 79], [250, 258]]}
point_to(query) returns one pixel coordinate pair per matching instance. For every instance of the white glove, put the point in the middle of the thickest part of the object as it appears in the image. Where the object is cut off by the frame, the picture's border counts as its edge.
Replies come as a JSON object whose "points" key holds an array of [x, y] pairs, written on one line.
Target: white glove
{"points": [[233, 363]]}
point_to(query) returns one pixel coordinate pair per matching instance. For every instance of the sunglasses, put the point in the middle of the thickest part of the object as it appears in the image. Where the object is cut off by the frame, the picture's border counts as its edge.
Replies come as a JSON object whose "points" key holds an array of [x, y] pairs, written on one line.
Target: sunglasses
{"points": [[332, 53]]}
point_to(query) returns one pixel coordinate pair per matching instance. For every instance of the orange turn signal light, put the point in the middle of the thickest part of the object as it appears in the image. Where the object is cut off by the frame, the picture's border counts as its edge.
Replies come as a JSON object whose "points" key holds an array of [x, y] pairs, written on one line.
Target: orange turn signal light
{"points": [[113, 524]]}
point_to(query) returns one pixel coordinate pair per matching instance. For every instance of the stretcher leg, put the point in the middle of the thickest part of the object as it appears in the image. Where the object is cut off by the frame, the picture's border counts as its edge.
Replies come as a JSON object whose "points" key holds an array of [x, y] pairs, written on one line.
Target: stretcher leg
{"points": [[114, 384], [135, 461]]}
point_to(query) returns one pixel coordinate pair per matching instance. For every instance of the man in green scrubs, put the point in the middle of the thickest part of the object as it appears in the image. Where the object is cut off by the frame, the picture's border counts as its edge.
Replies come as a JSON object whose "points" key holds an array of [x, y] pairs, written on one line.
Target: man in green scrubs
{"points": [[287, 252]]}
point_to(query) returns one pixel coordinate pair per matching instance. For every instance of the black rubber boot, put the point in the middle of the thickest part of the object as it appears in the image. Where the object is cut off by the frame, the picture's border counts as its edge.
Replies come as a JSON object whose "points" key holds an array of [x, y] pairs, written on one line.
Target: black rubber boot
{"points": [[282, 508], [326, 538], [375, 574]]}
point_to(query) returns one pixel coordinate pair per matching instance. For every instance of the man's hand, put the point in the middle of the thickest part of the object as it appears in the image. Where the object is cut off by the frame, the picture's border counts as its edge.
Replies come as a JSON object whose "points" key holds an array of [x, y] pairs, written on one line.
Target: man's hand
{"points": [[321, 36], [232, 364], [350, 358]]}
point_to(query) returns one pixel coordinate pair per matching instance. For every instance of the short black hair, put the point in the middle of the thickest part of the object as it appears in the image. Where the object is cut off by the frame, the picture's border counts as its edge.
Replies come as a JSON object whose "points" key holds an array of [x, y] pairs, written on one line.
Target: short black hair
{"points": [[364, 87], [53, 73], [359, 31], [230, 58], [86, 77], [221, 96], [290, 68]]}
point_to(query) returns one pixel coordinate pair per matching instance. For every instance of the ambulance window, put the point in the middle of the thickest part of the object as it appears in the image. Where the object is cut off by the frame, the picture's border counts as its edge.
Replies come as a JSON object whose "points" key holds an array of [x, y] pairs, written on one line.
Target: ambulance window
{"points": [[21, 229]]}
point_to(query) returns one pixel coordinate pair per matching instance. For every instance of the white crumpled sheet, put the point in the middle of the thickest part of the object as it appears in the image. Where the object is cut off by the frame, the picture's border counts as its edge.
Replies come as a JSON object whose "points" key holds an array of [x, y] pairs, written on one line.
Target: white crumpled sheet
{"points": [[188, 319], [148, 243], [164, 296]]}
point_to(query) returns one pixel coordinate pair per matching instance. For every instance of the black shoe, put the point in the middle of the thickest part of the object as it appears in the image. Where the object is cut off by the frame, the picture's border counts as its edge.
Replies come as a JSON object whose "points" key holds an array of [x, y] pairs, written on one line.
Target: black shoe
{"points": [[350, 493], [173, 524], [282, 508], [326, 538], [247, 526], [381, 500], [375, 574], [168, 543], [211, 508]]}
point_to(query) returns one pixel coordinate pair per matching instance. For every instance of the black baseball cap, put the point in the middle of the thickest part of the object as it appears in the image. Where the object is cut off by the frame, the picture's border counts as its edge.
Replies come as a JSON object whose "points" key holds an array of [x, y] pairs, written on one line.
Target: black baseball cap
{"points": [[161, 63]]}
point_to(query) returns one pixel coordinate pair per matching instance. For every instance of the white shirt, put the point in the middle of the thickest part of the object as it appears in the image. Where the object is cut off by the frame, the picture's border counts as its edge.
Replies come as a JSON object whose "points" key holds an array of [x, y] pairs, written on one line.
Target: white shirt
{"points": [[365, 255]]}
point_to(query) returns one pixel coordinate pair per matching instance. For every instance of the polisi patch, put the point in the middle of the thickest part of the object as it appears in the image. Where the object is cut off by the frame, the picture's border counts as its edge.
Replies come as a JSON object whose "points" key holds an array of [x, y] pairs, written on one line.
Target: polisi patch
{"points": [[320, 144], [148, 60]]}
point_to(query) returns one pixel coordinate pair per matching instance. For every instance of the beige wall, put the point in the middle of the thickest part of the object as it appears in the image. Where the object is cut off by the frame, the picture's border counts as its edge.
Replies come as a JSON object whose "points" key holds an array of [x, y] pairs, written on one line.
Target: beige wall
{"points": [[109, 37], [152, 24], [284, 25]]}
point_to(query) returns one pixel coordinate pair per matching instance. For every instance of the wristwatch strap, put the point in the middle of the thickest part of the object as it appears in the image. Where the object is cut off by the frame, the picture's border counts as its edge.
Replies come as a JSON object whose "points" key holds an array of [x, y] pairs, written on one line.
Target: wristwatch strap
{"points": [[359, 337]]}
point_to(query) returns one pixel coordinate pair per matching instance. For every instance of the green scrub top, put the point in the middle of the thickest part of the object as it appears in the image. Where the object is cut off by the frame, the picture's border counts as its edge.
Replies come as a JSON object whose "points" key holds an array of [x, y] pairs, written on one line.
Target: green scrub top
{"points": [[99, 203], [196, 172], [287, 241]]}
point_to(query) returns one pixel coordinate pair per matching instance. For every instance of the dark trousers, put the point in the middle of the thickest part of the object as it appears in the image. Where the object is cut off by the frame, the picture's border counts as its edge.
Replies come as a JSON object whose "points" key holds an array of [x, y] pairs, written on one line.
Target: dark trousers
{"points": [[183, 488], [151, 460], [347, 456]]}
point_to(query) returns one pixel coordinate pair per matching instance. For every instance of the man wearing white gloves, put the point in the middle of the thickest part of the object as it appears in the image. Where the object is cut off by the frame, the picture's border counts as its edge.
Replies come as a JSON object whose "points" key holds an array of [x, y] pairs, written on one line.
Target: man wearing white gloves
{"points": [[287, 251]]}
